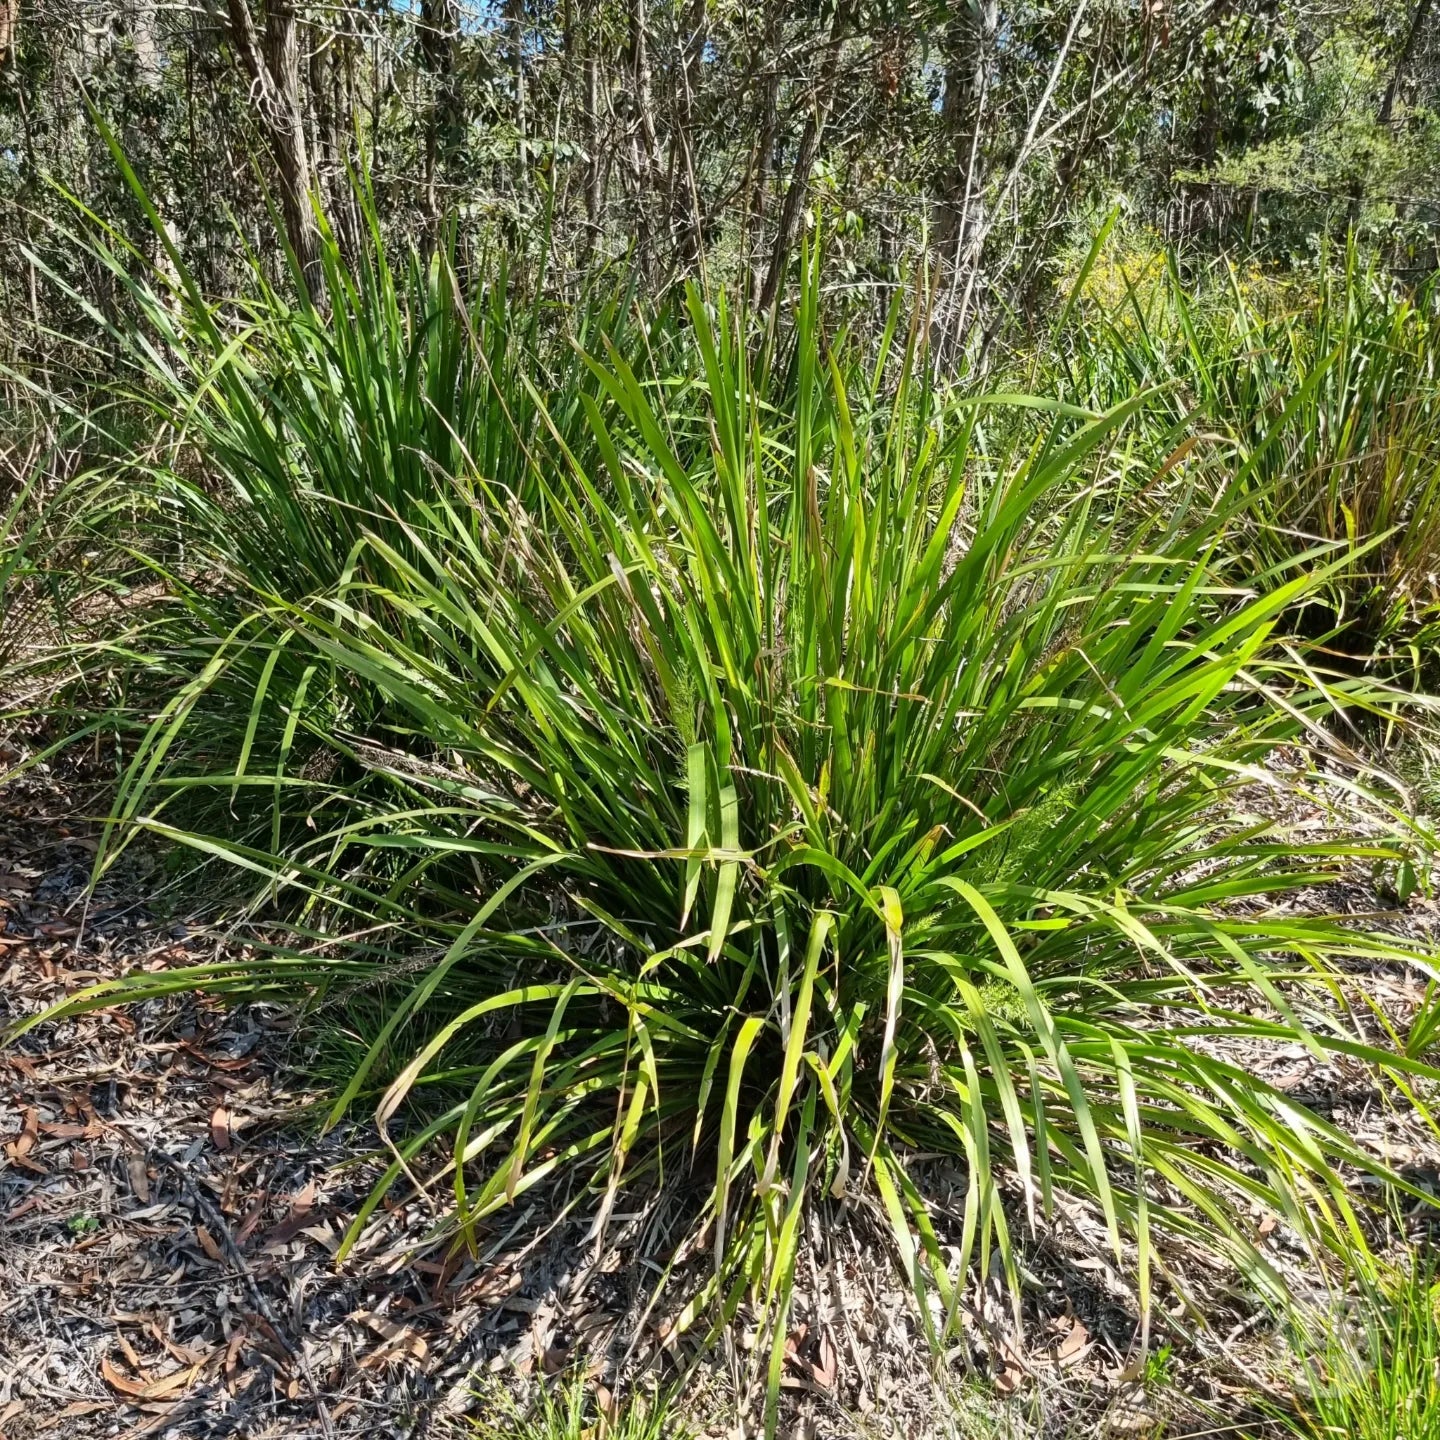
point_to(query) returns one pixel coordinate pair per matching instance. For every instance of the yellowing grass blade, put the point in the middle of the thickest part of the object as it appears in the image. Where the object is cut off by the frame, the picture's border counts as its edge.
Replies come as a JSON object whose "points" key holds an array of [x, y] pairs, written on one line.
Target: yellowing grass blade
{"points": [[890, 908], [821, 928], [729, 1113]]}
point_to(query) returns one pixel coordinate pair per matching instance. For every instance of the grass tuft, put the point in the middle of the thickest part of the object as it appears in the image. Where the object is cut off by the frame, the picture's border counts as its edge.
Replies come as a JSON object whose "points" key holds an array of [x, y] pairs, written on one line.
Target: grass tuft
{"points": [[746, 767], [1375, 1374], [571, 1409]]}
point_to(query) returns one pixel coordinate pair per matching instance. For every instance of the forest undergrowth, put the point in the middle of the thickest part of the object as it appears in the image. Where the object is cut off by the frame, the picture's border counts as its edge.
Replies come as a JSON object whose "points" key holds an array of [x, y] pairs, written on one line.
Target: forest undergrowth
{"points": [[666, 753]]}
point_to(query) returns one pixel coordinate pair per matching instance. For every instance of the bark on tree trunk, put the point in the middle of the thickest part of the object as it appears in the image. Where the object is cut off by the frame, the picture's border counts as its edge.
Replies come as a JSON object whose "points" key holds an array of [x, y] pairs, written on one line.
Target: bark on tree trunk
{"points": [[140, 23], [445, 125], [272, 62], [969, 46], [592, 142], [1402, 62], [644, 147], [515, 22], [9, 24], [810, 139], [689, 222], [764, 151], [586, 45]]}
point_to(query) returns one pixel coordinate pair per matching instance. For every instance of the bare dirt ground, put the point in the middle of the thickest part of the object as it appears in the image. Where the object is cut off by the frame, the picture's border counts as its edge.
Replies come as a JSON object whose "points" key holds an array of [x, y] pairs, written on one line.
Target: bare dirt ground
{"points": [[170, 1213]]}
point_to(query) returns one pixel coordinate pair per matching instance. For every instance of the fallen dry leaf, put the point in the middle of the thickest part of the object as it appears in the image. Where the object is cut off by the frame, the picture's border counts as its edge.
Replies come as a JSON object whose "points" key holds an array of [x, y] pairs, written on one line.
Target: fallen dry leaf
{"points": [[169, 1384], [83, 1407], [607, 1405], [1073, 1346], [252, 1218], [827, 1368], [35, 1202], [136, 1363], [24, 1143], [1129, 1422], [146, 1389], [296, 1220], [117, 1381], [220, 1128], [408, 1344], [68, 1130], [139, 1180], [399, 1339], [207, 1243], [1012, 1370], [322, 1234], [184, 1354], [1127, 1374], [232, 1351]]}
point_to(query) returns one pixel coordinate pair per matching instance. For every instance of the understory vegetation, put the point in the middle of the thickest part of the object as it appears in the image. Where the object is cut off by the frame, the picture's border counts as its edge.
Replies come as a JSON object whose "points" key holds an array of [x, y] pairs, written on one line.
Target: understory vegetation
{"points": [[690, 732], [738, 759]]}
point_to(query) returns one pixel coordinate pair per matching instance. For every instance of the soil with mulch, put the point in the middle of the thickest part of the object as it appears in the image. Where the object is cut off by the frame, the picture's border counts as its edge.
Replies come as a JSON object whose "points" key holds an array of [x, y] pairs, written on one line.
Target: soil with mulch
{"points": [[170, 1213]]}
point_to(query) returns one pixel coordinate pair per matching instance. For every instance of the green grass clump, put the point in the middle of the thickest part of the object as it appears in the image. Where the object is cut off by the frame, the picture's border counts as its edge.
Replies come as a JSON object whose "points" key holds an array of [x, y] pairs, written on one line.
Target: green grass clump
{"points": [[761, 769], [571, 1409], [1376, 1375], [42, 563], [1316, 406]]}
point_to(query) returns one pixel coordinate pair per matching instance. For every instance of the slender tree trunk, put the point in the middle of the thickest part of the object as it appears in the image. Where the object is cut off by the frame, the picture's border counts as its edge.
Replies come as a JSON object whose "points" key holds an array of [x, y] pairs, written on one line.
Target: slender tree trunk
{"points": [[1402, 61], [764, 149], [292, 154], [273, 64], [339, 110], [140, 22], [641, 76], [643, 144], [810, 139], [582, 39], [9, 24], [593, 163], [444, 123], [969, 45], [324, 150], [971, 257], [515, 20], [688, 217]]}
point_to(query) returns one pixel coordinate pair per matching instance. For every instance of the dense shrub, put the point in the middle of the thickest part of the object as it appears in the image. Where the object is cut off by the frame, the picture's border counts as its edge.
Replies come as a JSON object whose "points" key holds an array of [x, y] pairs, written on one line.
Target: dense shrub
{"points": [[739, 761]]}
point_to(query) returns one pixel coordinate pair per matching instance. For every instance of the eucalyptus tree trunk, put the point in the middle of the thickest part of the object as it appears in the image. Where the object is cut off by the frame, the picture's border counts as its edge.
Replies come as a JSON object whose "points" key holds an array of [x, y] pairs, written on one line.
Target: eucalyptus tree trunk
{"points": [[644, 146], [515, 26], [271, 60], [1403, 60], [594, 165], [763, 163], [142, 26], [959, 211], [9, 23], [582, 54], [685, 188], [444, 120], [815, 122]]}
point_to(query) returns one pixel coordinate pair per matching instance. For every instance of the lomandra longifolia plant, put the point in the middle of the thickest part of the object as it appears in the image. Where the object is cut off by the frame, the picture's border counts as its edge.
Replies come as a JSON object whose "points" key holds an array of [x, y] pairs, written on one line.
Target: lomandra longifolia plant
{"points": [[780, 768], [1314, 407]]}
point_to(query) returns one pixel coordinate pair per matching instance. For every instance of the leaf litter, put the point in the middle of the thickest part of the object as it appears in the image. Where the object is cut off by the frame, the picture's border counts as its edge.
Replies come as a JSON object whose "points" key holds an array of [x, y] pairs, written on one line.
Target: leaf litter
{"points": [[169, 1215]]}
